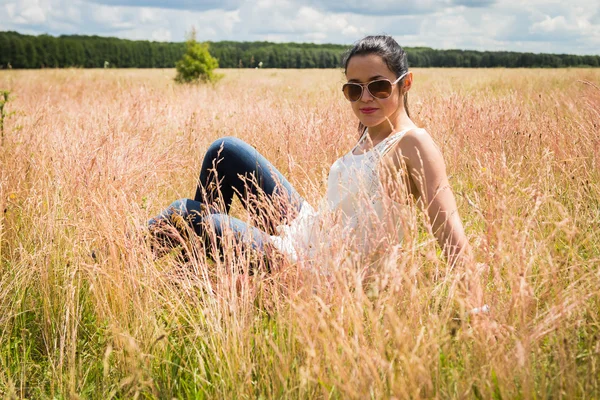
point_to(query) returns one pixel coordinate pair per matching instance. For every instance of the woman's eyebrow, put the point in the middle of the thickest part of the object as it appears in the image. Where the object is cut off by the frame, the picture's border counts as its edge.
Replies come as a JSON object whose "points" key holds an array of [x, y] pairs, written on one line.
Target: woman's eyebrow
{"points": [[370, 79]]}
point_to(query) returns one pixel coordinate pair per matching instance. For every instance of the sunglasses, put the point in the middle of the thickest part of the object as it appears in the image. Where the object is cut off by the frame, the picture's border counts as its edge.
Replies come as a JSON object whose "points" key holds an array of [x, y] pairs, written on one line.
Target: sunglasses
{"points": [[379, 88]]}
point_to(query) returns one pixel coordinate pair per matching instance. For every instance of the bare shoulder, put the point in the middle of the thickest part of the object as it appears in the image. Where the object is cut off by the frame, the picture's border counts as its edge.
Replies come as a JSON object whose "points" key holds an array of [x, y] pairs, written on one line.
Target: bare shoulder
{"points": [[417, 143], [416, 137]]}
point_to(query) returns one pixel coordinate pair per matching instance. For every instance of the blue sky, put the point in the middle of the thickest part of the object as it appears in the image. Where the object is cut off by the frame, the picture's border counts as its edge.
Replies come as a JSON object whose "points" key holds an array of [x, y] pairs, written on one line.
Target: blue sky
{"points": [[519, 25]]}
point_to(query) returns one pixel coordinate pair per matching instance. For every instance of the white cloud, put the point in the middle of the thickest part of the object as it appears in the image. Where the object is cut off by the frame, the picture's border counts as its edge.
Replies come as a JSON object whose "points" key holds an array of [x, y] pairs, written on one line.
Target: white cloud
{"points": [[10, 9], [29, 12], [474, 3], [350, 30], [34, 15], [553, 25], [149, 15], [161, 35], [380, 7], [533, 25], [115, 17], [230, 19], [189, 5]]}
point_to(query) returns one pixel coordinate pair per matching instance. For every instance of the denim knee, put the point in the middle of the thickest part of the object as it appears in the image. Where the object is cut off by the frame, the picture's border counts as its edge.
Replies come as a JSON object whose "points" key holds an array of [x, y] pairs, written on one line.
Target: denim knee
{"points": [[224, 145], [187, 209]]}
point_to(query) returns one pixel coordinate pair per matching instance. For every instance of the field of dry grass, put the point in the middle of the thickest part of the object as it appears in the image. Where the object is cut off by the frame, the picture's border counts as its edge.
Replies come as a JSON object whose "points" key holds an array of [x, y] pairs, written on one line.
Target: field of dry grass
{"points": [[86, 312]]}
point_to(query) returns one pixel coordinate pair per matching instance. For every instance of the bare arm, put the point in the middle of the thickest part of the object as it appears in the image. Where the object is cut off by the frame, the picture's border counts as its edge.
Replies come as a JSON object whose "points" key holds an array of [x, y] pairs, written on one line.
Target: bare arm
{"points": [[427, 173]]}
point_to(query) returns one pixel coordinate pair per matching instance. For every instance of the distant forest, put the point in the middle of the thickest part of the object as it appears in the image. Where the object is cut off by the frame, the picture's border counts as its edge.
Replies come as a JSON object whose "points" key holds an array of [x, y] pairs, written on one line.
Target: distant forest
{"points": [[45, 51]]}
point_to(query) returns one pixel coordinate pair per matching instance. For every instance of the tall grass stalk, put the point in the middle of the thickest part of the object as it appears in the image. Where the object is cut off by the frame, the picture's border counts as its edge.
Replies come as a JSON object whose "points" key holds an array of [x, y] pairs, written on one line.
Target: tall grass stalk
{"points": [[87, 312]]}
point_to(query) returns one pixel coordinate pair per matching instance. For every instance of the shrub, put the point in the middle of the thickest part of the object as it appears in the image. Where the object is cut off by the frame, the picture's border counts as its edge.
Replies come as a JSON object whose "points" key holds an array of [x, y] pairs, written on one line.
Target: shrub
{"points": [[197, 64]]}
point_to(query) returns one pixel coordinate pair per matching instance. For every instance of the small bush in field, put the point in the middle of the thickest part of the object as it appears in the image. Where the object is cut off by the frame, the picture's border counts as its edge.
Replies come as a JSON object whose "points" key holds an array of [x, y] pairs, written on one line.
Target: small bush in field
{"points": [[197, 65]]}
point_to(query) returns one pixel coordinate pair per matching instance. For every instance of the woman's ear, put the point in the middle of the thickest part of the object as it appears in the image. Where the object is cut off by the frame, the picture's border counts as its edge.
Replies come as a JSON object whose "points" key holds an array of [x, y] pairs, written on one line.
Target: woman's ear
{"points": [[407, 83]]}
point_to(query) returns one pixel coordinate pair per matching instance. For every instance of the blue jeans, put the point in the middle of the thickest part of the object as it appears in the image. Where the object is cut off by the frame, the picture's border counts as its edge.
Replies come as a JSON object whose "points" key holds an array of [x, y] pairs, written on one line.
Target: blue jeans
{"points": [[231, 166]]}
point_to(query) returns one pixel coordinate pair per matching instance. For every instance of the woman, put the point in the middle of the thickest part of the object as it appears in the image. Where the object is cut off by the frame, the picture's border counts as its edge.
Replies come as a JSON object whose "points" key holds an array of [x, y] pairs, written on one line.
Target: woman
{"points": [[392, 152]]}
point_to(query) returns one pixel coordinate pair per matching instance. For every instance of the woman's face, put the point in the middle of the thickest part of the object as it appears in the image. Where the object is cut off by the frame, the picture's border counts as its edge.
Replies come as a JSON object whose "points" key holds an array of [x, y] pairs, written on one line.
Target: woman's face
{"points": [[370, 110]]}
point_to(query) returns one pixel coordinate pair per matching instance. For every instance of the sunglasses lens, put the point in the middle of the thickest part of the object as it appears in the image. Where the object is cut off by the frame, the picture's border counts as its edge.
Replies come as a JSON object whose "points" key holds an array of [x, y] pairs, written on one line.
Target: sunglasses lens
{"points": [[381, 89], [352, 91]]}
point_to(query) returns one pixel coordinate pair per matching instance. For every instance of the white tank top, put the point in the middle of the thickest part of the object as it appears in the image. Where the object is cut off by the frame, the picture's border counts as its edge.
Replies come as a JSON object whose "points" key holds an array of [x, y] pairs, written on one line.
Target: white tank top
{"points": [[353, 200]]}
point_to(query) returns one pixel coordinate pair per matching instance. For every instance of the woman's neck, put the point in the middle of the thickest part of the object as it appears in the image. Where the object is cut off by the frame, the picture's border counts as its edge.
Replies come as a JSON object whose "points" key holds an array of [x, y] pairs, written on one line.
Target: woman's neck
{"points": [[395, 123]]}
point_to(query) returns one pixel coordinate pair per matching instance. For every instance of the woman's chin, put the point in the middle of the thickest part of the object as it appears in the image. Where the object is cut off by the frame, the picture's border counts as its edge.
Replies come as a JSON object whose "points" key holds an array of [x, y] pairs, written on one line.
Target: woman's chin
{"points": [[371, 122]]}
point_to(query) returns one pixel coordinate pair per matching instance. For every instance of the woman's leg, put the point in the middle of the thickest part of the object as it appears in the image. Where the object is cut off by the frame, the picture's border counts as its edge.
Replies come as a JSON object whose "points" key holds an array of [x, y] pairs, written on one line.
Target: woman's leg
{"points": [[233, 166], [212, 228]]}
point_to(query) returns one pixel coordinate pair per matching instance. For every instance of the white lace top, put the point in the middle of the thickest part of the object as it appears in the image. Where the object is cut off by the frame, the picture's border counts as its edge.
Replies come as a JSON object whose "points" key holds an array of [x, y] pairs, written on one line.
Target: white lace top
{"points": [[353, 202]]}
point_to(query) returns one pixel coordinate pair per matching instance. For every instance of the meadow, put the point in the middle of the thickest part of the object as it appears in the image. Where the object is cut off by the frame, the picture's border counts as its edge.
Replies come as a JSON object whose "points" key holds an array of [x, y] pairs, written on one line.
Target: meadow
{"points": [[86, 311]]}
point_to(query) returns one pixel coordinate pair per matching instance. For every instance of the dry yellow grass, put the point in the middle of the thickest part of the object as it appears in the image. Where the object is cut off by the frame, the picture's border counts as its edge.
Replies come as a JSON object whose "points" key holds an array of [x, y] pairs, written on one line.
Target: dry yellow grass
{"points": [[89, 155]]}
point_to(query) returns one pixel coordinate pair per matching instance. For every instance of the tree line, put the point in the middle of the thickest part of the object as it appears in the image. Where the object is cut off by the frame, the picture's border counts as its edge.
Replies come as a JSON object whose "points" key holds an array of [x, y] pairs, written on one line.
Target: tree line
{"points": [[45, 51]]}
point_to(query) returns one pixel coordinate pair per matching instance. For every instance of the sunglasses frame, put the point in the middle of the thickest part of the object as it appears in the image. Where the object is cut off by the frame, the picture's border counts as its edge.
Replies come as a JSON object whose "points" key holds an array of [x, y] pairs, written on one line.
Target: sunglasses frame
{"points": [[366, 85]]}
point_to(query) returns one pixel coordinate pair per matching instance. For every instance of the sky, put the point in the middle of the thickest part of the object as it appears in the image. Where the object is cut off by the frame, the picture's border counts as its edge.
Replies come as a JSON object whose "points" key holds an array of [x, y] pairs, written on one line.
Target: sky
{"points": [[565, 26]]}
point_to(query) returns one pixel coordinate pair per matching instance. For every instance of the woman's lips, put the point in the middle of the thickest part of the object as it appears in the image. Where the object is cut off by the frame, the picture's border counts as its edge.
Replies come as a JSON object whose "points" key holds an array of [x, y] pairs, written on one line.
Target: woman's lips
{"points": [[368, 110]]}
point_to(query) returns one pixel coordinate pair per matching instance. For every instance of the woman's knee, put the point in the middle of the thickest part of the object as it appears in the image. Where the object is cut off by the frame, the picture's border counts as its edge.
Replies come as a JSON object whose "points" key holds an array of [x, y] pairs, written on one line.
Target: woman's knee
{"points": [[179, 207], [172, 225], [227, 145], [175, 209], [189, 210]]}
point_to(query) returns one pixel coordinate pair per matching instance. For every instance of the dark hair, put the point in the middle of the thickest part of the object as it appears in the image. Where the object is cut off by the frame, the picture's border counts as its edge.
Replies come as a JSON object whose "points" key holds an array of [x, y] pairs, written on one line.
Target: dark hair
{"points": [[389, 50]]}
